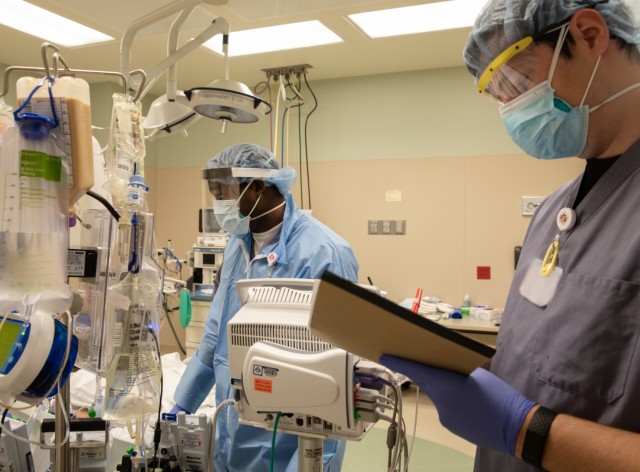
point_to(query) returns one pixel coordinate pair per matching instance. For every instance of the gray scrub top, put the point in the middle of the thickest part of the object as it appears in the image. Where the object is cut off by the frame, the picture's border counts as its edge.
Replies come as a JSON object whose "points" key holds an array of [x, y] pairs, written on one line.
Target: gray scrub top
{"points": [[579, 354]]}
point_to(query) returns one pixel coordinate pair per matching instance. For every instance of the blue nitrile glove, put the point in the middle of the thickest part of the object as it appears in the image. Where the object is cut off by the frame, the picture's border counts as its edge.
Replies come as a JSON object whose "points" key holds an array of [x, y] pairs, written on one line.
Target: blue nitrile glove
{"points": [[177, 409], [479, 407]]}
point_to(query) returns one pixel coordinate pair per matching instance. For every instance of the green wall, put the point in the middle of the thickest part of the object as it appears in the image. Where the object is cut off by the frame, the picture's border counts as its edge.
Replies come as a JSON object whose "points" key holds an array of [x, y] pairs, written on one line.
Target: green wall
{"points": [[435, 113], [431, 113]]}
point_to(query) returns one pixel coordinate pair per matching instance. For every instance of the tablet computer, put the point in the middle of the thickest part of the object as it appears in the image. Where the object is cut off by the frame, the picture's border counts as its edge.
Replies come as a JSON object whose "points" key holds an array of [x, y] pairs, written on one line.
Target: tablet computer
{"points": [[359, 321]]}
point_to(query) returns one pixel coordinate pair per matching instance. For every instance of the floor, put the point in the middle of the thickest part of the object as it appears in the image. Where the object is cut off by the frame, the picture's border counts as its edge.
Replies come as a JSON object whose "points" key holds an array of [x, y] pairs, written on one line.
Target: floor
{"points": [[428, 425], [435, 448]]}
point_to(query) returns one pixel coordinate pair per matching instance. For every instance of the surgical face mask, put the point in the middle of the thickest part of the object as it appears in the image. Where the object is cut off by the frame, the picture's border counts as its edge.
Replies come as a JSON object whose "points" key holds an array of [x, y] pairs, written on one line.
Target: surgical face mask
{"points": [[544, 126], [227, 212]]}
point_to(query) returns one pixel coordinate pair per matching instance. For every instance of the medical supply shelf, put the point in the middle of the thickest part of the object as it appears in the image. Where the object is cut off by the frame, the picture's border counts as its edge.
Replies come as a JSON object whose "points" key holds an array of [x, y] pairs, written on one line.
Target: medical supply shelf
{"points": [[199, 312]]}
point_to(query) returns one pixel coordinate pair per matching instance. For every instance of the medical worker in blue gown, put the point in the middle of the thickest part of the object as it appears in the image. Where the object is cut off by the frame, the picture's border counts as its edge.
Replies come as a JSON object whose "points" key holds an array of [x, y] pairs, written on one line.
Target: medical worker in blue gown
{"points": [[268, 237], [563, 389]]}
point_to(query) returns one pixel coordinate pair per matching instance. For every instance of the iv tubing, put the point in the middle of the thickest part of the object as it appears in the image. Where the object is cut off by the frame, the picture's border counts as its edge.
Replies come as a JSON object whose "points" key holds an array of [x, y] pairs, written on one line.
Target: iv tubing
{"points": [[224, 404]]}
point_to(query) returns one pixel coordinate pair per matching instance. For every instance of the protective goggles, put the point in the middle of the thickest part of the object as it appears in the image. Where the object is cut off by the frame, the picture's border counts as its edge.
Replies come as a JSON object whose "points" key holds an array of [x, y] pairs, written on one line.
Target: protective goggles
{"points": [[224, 183], [509, 75]]}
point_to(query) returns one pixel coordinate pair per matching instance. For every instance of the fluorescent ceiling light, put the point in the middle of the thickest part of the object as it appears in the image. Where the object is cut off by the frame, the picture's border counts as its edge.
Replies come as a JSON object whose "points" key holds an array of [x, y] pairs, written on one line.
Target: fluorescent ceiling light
{"points": [[43, 24], [419, 18], [275, 38]]}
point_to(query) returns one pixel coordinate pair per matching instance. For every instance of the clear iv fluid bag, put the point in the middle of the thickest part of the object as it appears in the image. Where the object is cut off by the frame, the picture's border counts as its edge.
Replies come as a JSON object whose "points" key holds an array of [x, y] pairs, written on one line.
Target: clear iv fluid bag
{"points": [[132, 329], [126, 148], [33, 226], [74, 133]]}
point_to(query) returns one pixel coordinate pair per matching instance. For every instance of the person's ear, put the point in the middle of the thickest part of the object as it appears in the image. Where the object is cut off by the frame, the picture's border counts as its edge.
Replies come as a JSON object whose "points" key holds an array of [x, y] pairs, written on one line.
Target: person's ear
{"points": [[260, 186], [589, 29]]}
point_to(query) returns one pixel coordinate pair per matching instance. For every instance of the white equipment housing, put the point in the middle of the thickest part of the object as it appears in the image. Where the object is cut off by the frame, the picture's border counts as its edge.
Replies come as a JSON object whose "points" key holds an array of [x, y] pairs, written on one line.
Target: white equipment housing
{"points": [[277, 366]]}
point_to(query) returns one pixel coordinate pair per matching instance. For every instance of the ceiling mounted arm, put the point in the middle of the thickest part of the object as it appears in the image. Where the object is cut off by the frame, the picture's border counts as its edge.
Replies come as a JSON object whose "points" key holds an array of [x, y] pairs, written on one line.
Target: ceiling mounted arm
{"points": [[172, 47], [149, 19], [219, 26], [185, 7]]}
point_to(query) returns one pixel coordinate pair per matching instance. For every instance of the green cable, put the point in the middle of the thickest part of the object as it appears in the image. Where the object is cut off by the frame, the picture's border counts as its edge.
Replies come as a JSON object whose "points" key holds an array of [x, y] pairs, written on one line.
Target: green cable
{"points": [[273, 441]]}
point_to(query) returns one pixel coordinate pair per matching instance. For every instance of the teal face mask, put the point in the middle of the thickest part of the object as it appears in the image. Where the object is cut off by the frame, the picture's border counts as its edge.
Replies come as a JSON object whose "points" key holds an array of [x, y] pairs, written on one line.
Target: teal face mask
{"points": [[544, 126], [227, 213]]}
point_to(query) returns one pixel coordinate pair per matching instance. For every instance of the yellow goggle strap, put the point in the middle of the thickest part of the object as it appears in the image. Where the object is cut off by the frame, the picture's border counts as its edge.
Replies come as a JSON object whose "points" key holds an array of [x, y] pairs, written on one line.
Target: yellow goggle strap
{"points": [[500, 60]]}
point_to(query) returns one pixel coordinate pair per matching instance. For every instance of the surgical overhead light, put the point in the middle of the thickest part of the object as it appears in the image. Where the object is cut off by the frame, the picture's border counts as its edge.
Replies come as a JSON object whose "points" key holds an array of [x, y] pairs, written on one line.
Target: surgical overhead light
{"points": [[171, 112], [227, 100], [222, 99], [169, 115]]}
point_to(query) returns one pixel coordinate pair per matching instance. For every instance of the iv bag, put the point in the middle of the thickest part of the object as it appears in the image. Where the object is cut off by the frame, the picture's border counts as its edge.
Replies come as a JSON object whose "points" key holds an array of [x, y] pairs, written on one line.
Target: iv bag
{"points": [[73, 135], [33, 225], [133, 314], [126, 149], [133, 377]]}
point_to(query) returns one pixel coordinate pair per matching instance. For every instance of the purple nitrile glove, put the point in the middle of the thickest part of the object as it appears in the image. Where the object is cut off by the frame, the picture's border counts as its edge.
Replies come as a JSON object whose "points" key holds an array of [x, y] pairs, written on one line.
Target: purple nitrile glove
{"points": [[177, 409], [480, 407]]}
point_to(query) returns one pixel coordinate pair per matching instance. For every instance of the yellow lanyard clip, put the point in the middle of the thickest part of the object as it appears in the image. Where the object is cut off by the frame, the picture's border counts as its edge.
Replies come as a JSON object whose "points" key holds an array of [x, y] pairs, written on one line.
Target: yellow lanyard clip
{"points": [[551, 258]]}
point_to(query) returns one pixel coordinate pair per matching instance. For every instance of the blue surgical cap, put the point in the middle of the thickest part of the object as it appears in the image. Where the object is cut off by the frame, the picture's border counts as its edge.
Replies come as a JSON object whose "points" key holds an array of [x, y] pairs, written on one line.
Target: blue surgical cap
{"points": [[501, 23], [254, 156]]}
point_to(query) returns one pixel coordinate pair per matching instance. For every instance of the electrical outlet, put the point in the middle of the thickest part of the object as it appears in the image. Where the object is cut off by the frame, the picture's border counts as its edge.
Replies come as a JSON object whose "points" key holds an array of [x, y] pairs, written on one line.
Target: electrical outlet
{"points": [[530, 204], [387, 227]]}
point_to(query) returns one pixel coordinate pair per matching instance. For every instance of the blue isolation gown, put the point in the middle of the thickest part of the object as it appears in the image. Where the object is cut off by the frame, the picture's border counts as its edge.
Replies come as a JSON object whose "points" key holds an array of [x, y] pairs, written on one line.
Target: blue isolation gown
{"points": [[305, 249]]}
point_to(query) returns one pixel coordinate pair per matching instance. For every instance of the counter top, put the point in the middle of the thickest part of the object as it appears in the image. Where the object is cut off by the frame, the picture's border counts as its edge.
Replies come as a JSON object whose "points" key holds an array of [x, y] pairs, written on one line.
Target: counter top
{"points": [[467, 323]]}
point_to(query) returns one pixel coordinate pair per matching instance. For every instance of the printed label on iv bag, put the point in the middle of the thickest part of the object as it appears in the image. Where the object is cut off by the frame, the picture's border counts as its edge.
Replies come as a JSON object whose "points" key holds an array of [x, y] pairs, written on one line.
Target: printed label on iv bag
{"points": [[34, 234], [62, 133], [537, 288]]}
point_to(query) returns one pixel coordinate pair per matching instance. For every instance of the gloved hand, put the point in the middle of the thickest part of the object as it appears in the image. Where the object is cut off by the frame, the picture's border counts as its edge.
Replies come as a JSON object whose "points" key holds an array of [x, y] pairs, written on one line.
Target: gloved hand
{"points": [[177, 409], [479, 407]]}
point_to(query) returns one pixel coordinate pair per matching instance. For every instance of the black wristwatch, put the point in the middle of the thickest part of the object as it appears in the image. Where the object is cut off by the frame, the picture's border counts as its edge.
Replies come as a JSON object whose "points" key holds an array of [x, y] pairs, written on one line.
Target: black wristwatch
{"points": [[536, 437]]}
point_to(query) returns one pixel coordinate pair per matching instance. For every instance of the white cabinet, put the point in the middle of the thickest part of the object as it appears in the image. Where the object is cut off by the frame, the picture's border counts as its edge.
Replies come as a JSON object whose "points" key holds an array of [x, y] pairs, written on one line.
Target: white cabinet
{"points": [[199, 313]]}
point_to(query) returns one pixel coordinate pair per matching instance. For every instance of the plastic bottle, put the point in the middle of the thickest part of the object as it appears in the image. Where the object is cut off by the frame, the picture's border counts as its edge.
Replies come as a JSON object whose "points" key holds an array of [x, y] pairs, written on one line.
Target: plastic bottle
{"points": [[136, 192], [466, 305], [73, 107]]}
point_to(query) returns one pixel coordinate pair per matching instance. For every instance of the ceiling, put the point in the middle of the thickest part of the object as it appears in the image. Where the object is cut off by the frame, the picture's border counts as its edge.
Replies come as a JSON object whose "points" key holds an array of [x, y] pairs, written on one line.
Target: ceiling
{"points": [[357, 56]]}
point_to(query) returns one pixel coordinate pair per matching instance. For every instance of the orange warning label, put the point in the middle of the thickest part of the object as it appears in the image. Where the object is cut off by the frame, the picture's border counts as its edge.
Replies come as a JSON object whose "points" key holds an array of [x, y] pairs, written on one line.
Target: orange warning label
{"points": [[262, 385]]}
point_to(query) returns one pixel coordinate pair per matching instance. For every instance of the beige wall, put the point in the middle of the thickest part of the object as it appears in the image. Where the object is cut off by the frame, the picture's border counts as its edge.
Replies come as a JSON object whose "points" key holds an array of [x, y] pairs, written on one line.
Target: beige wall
{"points": [[461, 212]]}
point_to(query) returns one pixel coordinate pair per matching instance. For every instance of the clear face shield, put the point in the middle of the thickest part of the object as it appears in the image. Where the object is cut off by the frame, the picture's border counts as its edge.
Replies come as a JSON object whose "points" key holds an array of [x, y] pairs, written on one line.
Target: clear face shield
{"points": [[512, 72], [225, 185]]}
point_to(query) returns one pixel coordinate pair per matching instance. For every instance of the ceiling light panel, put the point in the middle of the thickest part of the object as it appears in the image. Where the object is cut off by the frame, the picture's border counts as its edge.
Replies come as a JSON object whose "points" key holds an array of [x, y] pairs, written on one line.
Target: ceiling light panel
{"points": [[275, 38], [43, 24], [424, 18]]}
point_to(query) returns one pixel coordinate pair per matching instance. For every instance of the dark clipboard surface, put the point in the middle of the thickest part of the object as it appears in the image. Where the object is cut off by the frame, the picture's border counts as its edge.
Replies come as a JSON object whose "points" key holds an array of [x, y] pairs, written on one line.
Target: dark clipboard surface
{"points": [[363, 323]]}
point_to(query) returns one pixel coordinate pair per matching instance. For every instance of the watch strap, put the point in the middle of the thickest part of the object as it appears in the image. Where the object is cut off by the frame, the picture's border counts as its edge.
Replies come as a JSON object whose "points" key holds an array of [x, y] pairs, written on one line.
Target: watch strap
{"points": [[536, 436]]}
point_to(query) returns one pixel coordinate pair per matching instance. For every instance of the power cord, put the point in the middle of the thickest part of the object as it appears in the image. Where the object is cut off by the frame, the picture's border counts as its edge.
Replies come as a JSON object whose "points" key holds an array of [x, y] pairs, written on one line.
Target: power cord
{"points": [[106, 204]]}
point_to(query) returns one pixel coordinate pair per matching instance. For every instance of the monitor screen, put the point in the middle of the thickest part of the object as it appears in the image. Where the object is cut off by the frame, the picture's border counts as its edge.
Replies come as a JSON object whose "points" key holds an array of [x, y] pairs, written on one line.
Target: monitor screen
{"points": [[207, 222]]}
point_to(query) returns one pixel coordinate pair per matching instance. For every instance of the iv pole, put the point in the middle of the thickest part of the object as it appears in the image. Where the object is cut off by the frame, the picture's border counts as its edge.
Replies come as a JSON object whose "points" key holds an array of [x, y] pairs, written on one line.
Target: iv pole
{"points": [[65, 460]]}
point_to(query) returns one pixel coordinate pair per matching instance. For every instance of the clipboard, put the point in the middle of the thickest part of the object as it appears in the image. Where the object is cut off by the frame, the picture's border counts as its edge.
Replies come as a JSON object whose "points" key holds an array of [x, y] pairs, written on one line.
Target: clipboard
{"points": [[359, 321]]}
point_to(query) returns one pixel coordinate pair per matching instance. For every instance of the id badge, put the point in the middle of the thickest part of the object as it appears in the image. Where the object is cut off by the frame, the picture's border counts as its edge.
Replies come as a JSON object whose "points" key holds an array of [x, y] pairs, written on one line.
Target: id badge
{"points": [[537, 288]]}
